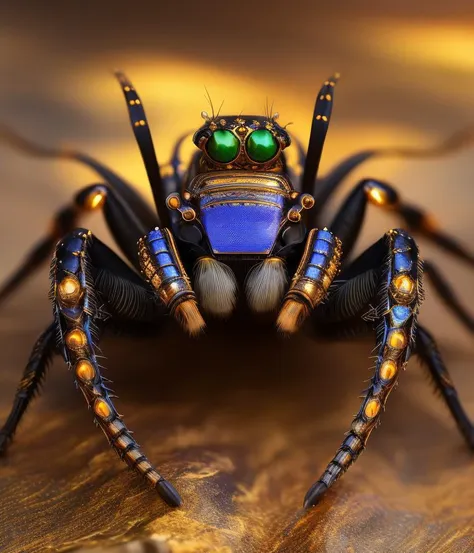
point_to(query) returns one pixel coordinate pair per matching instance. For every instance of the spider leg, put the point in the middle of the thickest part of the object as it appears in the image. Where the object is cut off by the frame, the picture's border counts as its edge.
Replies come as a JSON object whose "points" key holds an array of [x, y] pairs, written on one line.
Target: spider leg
{"points": [[124, 189], [33, 375], [127, 299], [327, 185], [125, 225], [399, 296], [428, 352], [77, 313], [349, 219]]}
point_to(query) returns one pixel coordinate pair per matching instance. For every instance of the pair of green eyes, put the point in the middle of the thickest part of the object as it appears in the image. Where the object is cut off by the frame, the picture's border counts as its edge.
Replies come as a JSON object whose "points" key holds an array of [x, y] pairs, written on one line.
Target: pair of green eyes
{"points": [[223, 146]]}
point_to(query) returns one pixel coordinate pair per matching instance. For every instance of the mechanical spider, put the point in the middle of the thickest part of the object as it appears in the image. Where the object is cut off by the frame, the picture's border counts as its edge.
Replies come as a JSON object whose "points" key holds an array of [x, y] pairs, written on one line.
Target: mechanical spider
{"points": [[238, 215]]}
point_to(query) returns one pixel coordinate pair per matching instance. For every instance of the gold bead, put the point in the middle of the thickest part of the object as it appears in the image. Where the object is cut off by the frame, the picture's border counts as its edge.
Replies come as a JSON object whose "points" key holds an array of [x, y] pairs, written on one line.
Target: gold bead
{"points": [[372, 408], [76, 339], [85, 370], [397, 339], [388, 369], [187, 195], [102, 408], [69, 290], [308, 201], [294, 216]]}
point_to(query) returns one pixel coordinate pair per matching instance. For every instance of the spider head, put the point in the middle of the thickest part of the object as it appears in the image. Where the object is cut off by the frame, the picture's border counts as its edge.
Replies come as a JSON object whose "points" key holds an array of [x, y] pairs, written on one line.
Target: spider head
{"points": [[243, 142]]}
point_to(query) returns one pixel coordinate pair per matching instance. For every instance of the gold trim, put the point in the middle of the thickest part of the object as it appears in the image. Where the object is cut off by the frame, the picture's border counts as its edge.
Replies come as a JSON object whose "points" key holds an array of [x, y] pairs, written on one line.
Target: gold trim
{"points": [[206, 181], [243, 201]]}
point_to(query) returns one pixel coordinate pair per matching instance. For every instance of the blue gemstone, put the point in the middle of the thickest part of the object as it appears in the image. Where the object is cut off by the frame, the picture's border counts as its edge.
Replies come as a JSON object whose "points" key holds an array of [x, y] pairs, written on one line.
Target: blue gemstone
{"points": [[400, 315], [402, 262], [401, 243]]}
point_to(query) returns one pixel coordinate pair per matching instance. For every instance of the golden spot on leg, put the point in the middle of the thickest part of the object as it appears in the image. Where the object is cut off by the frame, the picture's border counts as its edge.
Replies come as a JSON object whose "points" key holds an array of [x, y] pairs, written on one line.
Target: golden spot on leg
{"points": [[76, 339], [372, 408], [397, 339], [388, 369], [102, 408], [69, 290], [85, 370]]}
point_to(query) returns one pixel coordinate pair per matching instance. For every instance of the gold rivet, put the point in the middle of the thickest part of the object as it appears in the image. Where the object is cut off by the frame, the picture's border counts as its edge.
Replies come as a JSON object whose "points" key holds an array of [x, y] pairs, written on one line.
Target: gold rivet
{"points": [[76, 339], [242, 130], [404, 284], [372, 408], [173, 202], [308, 202], [397, 339], [294, 195], [294, 216], [69, 289], [189, 215], [85, 370], [102, 408], [388, 369], [187, 195]]}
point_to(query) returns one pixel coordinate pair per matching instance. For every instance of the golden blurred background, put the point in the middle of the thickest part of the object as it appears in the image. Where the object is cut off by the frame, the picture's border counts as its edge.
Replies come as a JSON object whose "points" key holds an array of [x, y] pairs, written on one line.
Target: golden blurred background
{"points": [[407, 79]]}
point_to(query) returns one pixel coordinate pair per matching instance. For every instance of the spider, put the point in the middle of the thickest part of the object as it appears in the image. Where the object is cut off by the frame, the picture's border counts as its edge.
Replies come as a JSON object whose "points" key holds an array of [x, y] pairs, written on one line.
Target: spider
{"points": [[238, 216]]}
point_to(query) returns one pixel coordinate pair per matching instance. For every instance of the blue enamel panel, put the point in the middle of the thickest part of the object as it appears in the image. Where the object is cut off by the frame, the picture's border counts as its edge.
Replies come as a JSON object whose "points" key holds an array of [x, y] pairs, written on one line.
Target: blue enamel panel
{"points": [[325, 235], [158, 246], [155, 235], [318, 259], [164, 259], [169, 271], [321, 246], [313, 272], [237, 228]]}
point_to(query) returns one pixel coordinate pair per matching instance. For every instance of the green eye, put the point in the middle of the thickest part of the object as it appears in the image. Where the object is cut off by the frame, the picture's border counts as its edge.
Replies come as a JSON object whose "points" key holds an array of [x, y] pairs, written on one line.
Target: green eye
{"points": [[261, 145], [223, 146]]}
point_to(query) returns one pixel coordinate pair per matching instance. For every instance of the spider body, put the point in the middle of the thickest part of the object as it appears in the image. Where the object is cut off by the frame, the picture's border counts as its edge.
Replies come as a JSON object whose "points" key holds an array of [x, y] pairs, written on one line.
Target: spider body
{"points": [[238, 217]]}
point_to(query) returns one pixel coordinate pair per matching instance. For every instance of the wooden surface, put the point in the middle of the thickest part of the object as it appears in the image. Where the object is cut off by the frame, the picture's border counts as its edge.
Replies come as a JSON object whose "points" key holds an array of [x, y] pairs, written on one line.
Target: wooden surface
{"points": [[240, 420]]}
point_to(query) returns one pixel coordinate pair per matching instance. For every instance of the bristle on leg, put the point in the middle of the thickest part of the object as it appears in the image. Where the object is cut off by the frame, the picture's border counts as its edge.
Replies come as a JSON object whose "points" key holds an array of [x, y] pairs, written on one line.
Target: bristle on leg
{"points": [[266, 285], [216, 286], [291, 316], [187, 313]]}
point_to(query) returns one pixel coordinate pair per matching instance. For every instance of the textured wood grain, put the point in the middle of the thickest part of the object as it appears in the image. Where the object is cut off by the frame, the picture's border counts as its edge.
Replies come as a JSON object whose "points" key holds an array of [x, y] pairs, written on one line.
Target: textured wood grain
{"points": [[240, 420]]}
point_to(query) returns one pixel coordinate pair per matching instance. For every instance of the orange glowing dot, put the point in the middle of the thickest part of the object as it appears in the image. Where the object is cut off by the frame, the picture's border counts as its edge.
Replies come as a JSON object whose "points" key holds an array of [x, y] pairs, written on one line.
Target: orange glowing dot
{"points": [[404, 284], [397, 339], [76, 339], [308, 201], [388, 369], [96, 199], [69, 289], [372, 408], [377, 196], [85, 370], [102, 408], [173, 202]]}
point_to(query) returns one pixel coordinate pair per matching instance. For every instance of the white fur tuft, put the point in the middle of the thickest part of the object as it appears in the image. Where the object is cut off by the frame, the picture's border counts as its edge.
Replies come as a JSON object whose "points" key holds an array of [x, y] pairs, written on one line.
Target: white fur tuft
{"points": [[216, 286], [266, 285]]}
